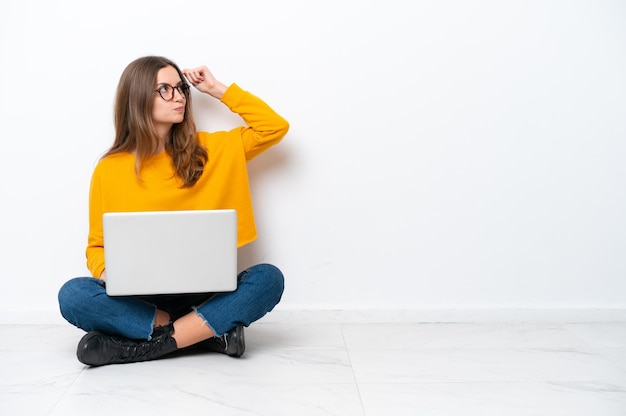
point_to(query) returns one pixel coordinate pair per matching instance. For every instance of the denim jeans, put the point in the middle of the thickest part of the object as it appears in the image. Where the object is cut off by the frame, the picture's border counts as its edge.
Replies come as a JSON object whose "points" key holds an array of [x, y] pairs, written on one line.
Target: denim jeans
{"points": [[84, 303]]}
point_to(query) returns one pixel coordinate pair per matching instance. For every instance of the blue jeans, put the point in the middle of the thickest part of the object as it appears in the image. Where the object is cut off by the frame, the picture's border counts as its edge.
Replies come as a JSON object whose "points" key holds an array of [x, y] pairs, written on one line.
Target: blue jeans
{"points": [[84, 303]]}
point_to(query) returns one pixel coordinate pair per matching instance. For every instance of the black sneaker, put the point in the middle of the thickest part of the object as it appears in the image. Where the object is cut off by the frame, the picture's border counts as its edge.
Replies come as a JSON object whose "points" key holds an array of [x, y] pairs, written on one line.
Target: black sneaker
{"points": [[98, 349], [232, 343]]}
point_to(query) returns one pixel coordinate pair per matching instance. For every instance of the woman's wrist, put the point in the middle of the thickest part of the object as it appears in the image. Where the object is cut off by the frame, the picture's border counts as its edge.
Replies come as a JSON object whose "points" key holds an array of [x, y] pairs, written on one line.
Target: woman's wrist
{"points": [[217, 90]]}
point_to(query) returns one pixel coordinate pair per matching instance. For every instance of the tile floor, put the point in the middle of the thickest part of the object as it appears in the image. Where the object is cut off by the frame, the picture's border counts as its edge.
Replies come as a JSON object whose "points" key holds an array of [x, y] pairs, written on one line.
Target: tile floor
{"points": [[335, 369]]}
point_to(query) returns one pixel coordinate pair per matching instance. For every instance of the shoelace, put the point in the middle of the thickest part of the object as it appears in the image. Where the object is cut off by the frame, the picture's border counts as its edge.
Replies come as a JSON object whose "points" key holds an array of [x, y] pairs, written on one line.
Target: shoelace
{"points": [[140, 349], [225, 339]]}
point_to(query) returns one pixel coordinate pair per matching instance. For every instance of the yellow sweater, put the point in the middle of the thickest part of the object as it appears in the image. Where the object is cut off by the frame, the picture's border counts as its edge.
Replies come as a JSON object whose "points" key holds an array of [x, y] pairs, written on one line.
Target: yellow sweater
{"points": [[224, 184]]}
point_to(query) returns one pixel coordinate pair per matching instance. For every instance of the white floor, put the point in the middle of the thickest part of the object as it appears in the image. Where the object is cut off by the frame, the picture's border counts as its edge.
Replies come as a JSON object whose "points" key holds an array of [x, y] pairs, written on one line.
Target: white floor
{"points": [[335, 369]]}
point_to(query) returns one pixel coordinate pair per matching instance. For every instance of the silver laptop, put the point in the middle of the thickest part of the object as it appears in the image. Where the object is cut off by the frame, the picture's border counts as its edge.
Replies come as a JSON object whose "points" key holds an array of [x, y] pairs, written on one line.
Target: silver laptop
{"points": [[170, 252]]}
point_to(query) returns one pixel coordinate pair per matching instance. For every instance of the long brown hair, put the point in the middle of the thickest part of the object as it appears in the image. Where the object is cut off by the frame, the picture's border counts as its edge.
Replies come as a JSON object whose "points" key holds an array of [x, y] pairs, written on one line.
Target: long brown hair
{"points": [[134, 128]]}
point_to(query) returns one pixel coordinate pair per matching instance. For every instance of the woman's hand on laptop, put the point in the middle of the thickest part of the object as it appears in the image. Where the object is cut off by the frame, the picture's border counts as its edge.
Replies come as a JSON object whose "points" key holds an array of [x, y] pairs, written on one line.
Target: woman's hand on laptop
{"points": [[103, 276]]}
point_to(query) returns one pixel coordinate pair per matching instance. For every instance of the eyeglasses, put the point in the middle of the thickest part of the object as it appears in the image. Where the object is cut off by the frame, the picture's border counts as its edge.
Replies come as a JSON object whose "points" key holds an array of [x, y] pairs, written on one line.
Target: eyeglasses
{"points": [[166, 91]]}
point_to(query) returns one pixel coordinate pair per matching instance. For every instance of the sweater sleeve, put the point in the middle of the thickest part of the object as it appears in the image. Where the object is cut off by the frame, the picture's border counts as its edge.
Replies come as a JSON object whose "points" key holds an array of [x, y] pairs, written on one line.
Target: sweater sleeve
{"points": [[95, 239], [265, 127]]}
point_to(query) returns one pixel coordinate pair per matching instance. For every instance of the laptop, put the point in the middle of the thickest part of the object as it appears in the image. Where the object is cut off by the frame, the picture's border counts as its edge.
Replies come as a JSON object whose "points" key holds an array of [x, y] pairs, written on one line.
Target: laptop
{"points": [[170, 252]]}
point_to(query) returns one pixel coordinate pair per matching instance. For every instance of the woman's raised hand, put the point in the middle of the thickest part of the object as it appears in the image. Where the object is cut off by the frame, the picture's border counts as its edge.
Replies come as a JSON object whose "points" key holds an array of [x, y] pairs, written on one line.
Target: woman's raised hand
{"points": [[204, 81]]}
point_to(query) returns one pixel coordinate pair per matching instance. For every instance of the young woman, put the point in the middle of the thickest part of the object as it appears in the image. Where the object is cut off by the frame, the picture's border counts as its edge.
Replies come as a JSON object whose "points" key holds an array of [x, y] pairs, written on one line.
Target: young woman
{"points": [[159, 162]]}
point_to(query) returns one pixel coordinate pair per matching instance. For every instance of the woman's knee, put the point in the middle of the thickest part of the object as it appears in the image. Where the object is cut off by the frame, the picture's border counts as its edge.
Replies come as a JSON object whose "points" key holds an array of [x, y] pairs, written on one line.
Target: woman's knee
{"points": [[271, 278], [73, 288], [73, 293]]}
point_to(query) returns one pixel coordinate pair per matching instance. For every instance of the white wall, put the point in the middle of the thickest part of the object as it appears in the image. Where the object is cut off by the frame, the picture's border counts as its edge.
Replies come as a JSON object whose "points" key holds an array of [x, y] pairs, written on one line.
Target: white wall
{"points": [[452, 156]]}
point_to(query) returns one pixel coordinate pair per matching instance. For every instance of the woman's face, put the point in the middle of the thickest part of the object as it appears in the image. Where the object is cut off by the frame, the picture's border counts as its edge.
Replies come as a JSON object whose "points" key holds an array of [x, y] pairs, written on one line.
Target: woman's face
{"points": [[164, 112]]}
